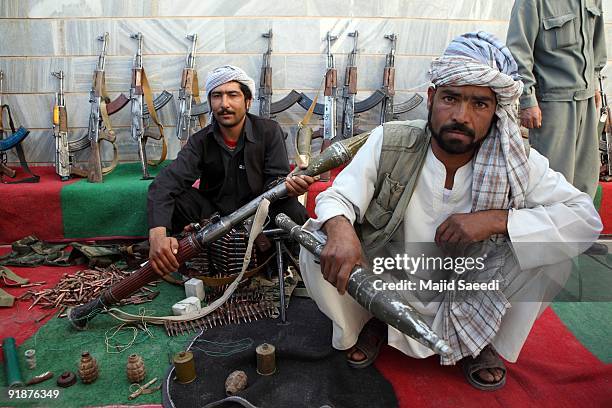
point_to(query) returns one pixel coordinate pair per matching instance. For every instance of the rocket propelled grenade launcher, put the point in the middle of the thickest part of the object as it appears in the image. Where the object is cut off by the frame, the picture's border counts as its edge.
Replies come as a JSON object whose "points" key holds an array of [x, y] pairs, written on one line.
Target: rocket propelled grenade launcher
{"points": [[385, 305], [335, 155]]}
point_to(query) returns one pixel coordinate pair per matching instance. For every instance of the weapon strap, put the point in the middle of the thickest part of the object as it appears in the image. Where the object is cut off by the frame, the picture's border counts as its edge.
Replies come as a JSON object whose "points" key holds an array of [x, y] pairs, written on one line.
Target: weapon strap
{"points": [[107, 133], [146, 90], [22, 160], [195, 92]]}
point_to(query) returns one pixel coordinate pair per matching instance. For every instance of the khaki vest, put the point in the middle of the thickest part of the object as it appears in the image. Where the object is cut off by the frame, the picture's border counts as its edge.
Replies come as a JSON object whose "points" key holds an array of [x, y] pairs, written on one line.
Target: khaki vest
{"points": [[403, 153]]}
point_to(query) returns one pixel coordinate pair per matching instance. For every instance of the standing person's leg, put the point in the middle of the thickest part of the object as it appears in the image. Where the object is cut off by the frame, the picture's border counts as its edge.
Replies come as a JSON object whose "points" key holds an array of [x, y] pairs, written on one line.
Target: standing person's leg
{"points": [[557, 137], [586, 175]]}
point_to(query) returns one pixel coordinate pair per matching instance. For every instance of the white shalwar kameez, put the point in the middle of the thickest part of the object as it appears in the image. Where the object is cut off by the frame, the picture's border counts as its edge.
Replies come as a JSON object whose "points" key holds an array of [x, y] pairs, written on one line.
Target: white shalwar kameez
{"points": [[555, 212]]}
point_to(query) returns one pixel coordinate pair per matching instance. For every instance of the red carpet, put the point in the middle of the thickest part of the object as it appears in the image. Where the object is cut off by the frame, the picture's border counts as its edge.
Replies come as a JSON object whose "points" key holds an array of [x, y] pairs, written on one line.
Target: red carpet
{"points": [[32, 208], [606, 207], [554, 370]]}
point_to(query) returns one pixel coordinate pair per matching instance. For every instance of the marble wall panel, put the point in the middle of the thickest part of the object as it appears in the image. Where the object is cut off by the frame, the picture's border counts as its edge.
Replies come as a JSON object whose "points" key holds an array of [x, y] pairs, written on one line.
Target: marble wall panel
{"points": [[250, 8], [76, 8]]}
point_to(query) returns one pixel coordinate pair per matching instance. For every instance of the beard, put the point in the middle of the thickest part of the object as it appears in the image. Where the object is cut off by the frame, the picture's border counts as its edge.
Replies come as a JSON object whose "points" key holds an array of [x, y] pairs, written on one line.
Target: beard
{"points": [[451, 145]]}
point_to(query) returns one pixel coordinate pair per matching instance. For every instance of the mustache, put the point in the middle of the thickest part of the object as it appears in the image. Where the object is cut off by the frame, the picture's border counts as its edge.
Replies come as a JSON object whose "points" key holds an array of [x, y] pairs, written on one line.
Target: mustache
{"points": [[225, 112], [458, 127]]}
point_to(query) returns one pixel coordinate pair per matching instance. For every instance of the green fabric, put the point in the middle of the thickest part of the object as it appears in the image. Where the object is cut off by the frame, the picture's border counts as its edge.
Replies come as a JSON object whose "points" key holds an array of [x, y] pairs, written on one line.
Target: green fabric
{"points": [[116, 207], [59, 347], [6, 299], [591, 323], [598, 197], [590, 320]]}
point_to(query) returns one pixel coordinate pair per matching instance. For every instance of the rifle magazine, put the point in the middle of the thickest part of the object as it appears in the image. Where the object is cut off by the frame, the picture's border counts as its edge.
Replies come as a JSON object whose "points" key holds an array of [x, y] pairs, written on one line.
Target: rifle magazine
{"points": [[408, 105]]}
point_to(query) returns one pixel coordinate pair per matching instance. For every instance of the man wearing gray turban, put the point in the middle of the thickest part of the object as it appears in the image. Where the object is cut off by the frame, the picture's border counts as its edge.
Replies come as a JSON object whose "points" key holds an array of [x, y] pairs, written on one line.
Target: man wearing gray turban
{"points": [[237, 157], [458, 216]]}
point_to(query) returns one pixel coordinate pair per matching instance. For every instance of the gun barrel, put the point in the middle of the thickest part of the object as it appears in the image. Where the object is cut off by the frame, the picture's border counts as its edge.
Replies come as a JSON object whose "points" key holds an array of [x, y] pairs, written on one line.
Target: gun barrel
{"points": [[338, 153], [102, 57], [385, 305]]}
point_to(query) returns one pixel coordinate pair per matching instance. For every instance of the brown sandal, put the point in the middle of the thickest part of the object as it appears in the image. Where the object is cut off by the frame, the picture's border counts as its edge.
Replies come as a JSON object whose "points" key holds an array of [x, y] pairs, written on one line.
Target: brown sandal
{"points": [[488, 358], [371, 339]]}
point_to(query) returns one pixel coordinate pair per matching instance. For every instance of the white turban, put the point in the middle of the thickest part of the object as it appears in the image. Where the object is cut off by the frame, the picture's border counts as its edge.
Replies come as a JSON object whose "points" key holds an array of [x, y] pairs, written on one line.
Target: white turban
{"points": [[225, 74]]}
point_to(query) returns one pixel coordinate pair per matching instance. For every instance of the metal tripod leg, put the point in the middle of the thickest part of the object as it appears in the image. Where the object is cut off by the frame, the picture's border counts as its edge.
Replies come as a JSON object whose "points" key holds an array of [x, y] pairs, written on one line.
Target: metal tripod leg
{"points": [[281, 277]]}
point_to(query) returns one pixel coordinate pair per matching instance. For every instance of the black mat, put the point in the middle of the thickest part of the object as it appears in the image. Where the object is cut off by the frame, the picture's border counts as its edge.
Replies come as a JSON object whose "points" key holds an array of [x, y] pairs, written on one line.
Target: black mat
{"points": [[309, 372]]}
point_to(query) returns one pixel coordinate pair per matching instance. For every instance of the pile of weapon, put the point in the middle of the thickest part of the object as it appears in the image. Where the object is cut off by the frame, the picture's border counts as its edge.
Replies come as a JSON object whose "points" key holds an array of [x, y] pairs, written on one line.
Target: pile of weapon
{"points": [[191, 113], [83, 286]]}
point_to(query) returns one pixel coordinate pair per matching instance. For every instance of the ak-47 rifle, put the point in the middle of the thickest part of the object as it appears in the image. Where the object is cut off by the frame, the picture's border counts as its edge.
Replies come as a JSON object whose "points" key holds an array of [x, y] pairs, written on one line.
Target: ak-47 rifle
{"points": [[13, 141], [188, 93], [266, 106], [100, 128], [350, 89], [390, 111], [139, 92], [384, 94], [338, 153], [329, 94], [383, 304], [60, 131], [605, 135]]}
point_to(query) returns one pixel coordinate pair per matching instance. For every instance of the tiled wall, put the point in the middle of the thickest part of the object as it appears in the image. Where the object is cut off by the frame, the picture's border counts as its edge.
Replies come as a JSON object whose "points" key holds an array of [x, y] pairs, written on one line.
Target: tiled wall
{"points": [[41, 36]]}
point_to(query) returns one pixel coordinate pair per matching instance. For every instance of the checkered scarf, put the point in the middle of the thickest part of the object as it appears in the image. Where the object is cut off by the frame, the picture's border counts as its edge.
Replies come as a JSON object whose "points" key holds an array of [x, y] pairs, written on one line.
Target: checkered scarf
{"points": [[472, 319]]}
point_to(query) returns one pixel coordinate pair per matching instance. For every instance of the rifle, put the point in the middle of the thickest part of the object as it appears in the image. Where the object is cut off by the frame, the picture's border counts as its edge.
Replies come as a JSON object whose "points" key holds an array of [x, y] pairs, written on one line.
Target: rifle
{"points": [[188, 93], [13, 141], [390, 111], [385, 305], [386, 92], [338, 153], [329, 93], [139, 92], [605, 135], [100, 128], [266, 106], [350, 89], [60, 131]]}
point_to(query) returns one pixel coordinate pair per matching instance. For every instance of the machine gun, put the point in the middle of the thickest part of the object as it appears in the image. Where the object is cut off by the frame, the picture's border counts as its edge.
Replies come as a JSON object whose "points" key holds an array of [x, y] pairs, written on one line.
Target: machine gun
{"points": [[266, 106], [60, 131], [390, 111], [188, 93], [385, 305], [384, 94], [13, 141], [100, 128], [350, 89], [140, 92], [605, 136], [338, 153]]}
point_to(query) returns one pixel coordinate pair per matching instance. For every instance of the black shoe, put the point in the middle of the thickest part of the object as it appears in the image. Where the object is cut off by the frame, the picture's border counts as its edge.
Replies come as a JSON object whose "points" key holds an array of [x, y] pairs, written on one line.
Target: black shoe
{"points": [[597, 249]]}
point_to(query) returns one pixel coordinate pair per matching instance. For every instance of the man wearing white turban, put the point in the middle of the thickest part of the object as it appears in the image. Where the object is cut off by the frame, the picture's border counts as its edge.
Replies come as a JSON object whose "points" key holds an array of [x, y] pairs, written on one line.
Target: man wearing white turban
{"points": [[461, 183], [237, 157]]}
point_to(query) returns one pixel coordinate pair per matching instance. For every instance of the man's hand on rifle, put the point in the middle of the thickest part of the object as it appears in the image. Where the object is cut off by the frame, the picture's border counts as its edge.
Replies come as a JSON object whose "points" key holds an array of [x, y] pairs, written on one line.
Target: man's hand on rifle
{"points": [[162, 251], [341, 253], [531, 117]]}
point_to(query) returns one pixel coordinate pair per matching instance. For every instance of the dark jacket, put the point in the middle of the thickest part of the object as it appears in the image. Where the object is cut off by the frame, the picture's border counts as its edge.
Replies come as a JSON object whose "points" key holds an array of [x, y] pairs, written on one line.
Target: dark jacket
{"points": [[265, 160]]}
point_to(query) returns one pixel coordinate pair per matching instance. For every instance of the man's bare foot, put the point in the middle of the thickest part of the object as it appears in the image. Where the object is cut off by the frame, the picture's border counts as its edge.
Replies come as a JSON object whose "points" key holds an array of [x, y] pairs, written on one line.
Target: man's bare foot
{"points": [[486, 371]]}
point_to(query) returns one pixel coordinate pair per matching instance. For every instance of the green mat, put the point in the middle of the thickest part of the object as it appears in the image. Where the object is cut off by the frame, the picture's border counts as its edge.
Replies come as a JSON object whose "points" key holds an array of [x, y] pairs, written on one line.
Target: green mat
{"points": [[117, 207], [58, 348]]}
